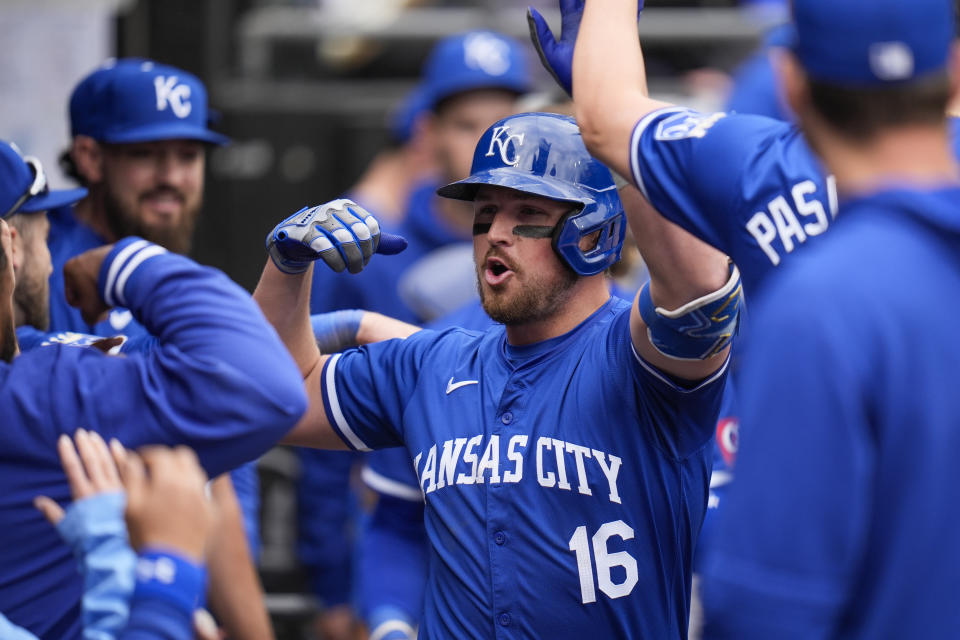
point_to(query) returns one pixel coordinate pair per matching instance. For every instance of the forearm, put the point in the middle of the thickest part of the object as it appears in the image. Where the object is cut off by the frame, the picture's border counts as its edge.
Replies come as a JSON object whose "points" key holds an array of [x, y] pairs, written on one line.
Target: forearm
{"points": [[235, 594], [285, 301], [609, 94], [682, 268]]}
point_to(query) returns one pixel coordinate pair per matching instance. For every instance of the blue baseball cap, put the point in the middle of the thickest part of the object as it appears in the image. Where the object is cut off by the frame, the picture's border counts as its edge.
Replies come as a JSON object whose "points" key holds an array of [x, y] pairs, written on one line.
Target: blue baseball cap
{"points": [[872, 42], [475, 60], [23, 185], [404, 115], [137, 100]]}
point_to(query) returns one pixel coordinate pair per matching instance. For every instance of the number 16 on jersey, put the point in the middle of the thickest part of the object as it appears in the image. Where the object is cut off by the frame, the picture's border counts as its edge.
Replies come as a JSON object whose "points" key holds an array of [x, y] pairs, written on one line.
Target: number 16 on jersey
{"points": [[603, 562]]}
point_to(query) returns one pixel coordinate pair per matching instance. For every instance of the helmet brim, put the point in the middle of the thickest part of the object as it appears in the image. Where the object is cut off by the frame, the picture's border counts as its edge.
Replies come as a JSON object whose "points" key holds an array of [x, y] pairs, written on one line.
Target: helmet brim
{"points": [[508, 177]]}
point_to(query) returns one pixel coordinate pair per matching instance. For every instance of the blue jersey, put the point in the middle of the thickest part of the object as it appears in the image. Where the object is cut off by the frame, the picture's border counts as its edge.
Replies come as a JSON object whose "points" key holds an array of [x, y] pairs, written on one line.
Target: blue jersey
{"points": [[850, 437], [68, 238], [748, 185], [220, 381], [565, 481], [377, 287]]}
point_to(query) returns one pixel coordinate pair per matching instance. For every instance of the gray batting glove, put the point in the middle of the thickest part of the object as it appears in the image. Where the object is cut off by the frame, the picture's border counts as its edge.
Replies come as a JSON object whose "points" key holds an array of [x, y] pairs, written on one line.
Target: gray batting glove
{"points": [[341, 233]]}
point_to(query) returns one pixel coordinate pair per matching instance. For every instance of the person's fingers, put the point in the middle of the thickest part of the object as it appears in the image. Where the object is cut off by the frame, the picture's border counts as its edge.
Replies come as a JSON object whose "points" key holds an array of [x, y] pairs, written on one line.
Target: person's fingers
{"points": [[133, 475], [87, 449], [50, 509], [76, 476], [119, 454], [204, 625], [107, 478], [190, 464]]}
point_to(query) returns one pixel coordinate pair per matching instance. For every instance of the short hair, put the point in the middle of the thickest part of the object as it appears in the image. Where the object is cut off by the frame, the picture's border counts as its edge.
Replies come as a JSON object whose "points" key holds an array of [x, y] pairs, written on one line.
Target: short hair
{"points": [[24, 223], [858, 113]]}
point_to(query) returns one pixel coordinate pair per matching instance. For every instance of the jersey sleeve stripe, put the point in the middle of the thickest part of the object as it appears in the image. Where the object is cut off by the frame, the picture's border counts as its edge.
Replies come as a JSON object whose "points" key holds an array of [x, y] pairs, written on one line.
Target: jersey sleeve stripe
{"points": [[131, 266], [667, 381], [638, 130], [115, 267], [390, 487], [339, 421]]}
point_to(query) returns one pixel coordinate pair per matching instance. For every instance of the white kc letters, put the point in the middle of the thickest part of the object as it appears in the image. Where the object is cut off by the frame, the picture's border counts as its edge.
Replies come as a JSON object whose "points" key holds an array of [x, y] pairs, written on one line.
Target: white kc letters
{"points": [[501, 139], [173, 94]]}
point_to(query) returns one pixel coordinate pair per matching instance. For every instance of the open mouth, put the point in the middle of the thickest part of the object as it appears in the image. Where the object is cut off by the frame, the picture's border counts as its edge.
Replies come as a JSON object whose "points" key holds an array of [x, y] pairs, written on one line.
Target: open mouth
{"points": [[496, 271]]}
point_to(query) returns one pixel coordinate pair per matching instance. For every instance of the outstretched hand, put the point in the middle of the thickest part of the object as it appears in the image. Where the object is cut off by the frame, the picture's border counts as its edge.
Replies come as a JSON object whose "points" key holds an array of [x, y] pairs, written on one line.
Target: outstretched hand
{"points": [[557, 55], [341, 233]]}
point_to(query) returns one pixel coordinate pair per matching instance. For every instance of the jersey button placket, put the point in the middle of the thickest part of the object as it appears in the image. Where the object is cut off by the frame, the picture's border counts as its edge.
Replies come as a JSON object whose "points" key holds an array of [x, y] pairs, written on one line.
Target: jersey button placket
{"points": [[500, 538], [504, 619]]}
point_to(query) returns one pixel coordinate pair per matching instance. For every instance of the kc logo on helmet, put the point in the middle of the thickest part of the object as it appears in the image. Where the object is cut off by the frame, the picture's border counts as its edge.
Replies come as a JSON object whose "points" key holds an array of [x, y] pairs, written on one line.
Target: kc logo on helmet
{"points": [[502, 139], [173, 94]]}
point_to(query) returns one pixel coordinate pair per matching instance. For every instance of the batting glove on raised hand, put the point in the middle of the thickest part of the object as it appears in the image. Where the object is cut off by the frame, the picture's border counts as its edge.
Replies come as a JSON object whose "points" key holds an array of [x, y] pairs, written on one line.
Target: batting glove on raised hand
{"points": [[341, 233], [557, 55]]}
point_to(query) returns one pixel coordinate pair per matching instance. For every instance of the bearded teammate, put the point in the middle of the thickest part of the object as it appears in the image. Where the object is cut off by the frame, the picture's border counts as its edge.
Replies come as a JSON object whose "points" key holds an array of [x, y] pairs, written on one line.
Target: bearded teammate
{"points": [[546, 499]]}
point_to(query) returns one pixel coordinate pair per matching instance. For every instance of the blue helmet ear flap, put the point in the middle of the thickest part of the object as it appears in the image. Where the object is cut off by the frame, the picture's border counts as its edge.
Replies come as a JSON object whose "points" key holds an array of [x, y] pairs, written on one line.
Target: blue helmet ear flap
{"points": [[581, 223]]}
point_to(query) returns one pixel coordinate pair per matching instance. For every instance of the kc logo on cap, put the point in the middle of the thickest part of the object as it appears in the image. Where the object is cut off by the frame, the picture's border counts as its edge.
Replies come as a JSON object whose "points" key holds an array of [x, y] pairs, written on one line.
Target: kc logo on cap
{"points": [[177, 96]]}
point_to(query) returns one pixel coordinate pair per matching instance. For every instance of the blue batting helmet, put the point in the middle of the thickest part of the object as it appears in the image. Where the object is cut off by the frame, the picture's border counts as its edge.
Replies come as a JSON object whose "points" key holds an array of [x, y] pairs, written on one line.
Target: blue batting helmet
{"points": [[543, 154]]}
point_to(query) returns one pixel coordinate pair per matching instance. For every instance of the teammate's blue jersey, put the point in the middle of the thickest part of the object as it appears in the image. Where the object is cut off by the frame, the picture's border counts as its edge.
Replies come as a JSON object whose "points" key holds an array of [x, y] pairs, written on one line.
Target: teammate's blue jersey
{"points": [[220, 381], [565, 481], [843, 519], [376, 288], [68, 238], [748, 185]]}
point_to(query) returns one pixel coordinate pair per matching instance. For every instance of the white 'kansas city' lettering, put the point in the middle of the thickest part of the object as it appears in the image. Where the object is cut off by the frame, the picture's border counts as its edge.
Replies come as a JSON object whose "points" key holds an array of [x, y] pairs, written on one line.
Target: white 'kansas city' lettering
{"points": [[556, 464]]}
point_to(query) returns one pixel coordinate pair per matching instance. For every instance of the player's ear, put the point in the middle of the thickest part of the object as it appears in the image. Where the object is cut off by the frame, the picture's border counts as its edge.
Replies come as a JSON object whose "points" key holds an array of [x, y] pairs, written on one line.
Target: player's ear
{"points": [[88, 157]]}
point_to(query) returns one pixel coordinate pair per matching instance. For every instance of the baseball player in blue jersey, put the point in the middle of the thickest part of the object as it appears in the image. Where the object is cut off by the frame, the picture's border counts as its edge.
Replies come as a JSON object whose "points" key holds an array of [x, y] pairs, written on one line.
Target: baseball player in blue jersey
{"points": [[470, 80], [139, 130], [213, 344], [564, 454], [751, 187], [862, 386]]}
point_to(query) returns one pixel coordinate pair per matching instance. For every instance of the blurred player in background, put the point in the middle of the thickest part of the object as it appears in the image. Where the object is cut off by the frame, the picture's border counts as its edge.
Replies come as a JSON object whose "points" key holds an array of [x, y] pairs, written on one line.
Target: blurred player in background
{"points": [[501, 426], [870, 552]]}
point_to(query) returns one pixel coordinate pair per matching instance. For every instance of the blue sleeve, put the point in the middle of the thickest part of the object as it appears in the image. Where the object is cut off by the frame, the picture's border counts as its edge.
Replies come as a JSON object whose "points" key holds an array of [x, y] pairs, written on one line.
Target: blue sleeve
{"points": [[169, 588], [393, 559], [679, 415], [698, 170], [10, 631], [94, 528], [220, 380], [246, 485], [325, 523], [365, 390], [787, 540]]}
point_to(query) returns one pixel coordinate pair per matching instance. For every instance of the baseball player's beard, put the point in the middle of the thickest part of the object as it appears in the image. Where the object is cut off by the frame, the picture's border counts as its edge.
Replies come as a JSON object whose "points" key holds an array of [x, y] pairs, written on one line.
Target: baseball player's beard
{"points": [[176, 238], [535, 300], [32, 297]]}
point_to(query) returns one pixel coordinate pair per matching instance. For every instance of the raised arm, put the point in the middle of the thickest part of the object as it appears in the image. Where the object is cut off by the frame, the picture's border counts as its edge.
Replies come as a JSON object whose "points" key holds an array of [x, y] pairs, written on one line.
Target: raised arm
{"points": [[219, 379], [682, 320], [609, 80], [344, 236]]}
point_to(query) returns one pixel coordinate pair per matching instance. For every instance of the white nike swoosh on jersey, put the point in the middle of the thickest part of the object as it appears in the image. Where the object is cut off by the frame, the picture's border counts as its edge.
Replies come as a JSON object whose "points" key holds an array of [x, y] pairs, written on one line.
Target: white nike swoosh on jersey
{"points": [[453, 386]]}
